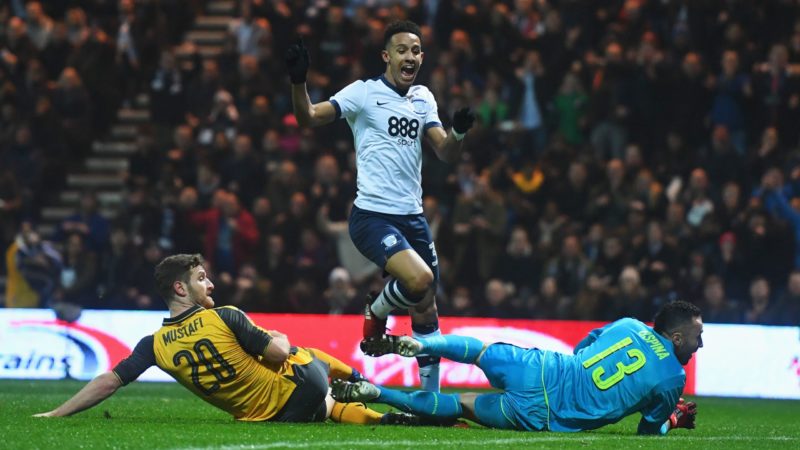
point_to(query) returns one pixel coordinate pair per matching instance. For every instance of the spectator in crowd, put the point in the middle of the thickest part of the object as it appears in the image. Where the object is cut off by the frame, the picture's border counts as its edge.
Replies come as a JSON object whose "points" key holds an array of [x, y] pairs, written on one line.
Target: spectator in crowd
{"points": [[573, 193], [656, 258], [72, 103], [10, 204], [479, 223], [88, 222], [760, 309], [691, 97], [357, 265], [717, 306], [229, 231], [729, 264], [168, 91], [498, 300], [33, 270], [789, 303], [549, 303], [258, 119], [733, 90], [610, 102], [275, 264], [550, 226], [520, 265], [79, 275], [248, 30], [341, 294], [460, 303], [570, 104], [241, 171], [608, 202], [777, 201], [245, 290], [118, 266], [570, 267], [201, 90], [531, 120], [630, 299]]}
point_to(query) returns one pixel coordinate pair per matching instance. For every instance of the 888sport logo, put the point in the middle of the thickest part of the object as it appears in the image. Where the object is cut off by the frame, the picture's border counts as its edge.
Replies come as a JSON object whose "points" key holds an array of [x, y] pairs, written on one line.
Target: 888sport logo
{"points": [[404, 129]]}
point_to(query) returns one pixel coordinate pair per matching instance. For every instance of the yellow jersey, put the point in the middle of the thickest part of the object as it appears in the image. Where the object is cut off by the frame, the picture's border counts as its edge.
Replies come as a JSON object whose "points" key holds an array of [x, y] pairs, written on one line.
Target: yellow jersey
{"points": [[217, 354]]}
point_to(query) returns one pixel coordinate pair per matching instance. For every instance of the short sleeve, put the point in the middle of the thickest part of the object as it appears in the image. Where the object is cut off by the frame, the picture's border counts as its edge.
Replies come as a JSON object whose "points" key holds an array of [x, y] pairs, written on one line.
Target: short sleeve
{"points": [[432, 118], [349, 101], [142, 358]]}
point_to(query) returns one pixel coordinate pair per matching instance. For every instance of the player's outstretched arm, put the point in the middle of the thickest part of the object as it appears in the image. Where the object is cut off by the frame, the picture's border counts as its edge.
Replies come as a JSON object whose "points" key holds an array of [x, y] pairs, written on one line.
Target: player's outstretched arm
{"points": [[307, 114], [97, 390], [448, 146]]}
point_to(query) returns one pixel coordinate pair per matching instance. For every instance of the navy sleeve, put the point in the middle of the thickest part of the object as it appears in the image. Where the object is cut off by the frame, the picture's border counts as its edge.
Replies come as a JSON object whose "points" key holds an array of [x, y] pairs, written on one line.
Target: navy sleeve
{"points": [[142, 358], [338, 109], [253, 339]]}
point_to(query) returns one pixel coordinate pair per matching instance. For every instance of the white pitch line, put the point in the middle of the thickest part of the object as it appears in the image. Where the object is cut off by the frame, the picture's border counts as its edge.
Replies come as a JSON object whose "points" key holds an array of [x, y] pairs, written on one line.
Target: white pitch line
{"points": [[497, 441]]}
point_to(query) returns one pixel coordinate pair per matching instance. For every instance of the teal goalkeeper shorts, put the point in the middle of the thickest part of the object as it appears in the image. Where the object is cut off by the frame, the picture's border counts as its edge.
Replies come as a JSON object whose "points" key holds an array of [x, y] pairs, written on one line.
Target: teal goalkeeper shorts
{"points": [[518, 372]]}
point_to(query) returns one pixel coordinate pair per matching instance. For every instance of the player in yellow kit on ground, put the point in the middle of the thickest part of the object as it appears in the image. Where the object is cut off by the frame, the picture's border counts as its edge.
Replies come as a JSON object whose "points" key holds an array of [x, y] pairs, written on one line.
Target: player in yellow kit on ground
{"points": [[223, 358]]}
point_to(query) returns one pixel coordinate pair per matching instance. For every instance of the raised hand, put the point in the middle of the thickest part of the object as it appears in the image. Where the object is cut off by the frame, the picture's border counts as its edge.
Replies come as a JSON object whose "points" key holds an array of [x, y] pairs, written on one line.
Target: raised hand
{"points": [[463, 120], [297, 62]]}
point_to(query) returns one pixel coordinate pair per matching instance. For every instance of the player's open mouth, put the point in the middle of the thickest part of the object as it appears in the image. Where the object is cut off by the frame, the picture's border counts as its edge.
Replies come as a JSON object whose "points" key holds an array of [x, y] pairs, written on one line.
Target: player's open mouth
{"points": [[407, 71]]}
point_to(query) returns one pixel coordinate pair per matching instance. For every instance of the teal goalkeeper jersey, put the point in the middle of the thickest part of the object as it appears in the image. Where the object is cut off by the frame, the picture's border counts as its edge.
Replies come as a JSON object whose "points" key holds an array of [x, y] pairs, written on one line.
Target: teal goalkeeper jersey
{"points": [[620, 369]]}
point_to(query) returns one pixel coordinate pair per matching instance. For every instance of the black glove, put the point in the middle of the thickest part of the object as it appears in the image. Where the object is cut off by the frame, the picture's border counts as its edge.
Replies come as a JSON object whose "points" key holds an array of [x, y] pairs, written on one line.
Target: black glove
{"points": [[463, 120], [297, 61]]}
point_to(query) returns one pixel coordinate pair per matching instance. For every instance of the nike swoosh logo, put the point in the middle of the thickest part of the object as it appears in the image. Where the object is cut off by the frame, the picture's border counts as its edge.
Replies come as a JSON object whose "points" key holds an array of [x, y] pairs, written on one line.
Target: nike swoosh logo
{"points": [[381, 104]]}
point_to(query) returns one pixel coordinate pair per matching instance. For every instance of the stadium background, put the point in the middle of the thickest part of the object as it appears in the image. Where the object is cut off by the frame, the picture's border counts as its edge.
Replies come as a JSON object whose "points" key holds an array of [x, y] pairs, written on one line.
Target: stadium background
{"points": [[627, 153]]}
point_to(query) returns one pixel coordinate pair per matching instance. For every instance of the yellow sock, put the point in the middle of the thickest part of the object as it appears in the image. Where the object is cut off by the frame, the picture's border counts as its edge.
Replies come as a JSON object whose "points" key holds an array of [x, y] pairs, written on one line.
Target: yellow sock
{"points": [[339, 370], [357, 413]]}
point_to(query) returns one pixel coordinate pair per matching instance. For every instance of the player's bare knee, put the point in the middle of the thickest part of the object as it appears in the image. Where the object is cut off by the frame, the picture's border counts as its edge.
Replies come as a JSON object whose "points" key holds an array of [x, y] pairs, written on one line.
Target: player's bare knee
{"points": [[420, 283]]}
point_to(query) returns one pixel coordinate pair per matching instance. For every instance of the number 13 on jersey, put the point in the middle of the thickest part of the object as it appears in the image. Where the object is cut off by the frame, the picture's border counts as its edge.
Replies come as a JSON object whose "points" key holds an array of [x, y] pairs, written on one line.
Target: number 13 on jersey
{"points": [[637, 362]]}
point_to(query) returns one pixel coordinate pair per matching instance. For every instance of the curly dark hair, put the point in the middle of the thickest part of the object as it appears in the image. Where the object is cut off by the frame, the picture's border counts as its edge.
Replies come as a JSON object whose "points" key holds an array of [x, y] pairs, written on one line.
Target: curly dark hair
{"points": [[400, 26], [174, 268], [673, 315]]}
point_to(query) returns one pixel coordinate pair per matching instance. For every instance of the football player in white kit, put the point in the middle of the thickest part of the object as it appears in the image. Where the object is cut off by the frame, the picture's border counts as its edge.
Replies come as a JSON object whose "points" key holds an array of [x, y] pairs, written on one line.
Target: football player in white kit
{"points": [[389, 116]]}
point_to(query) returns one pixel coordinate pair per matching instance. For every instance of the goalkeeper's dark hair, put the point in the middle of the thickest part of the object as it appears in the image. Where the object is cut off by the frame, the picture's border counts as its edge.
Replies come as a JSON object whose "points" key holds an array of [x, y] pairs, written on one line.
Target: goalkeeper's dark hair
{"points": [[673, 315], [400, 26], [174, 268]]}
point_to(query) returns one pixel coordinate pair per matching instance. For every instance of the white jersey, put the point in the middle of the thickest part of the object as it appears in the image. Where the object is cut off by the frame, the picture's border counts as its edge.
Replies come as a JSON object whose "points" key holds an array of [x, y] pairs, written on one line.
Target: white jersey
{"points": [[388, 128]]}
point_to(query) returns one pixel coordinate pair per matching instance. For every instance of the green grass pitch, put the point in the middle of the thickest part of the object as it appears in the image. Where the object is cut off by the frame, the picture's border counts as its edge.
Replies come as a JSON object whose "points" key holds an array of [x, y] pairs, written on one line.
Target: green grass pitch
{"points": [[156, 415]]}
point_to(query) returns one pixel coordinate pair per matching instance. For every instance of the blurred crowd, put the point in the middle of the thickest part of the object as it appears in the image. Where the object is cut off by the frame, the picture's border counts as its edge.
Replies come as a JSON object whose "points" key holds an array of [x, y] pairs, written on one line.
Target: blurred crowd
{"points": [[628, 153]]}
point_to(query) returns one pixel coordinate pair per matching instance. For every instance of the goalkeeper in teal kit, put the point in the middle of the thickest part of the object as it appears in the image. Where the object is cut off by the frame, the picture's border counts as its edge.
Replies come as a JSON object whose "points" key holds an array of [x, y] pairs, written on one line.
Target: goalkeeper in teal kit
{"points": [[618, 370]]}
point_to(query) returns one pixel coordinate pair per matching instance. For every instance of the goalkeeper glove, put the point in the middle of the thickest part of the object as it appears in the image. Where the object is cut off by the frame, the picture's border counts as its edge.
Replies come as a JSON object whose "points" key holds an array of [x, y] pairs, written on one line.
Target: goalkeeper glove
{"points": [[462, 122], [684, 415], [297, 62]]}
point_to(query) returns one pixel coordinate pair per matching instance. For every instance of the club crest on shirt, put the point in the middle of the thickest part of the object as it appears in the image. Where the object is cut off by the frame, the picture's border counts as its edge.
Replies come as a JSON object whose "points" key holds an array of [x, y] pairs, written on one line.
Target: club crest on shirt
{"points": [[420, 106]]}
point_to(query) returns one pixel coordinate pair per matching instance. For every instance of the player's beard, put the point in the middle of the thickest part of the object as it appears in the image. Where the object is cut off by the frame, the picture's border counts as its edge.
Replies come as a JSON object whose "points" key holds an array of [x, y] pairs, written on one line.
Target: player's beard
{"points": [[203, 299], [207, 302]]}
